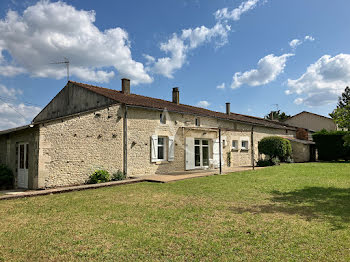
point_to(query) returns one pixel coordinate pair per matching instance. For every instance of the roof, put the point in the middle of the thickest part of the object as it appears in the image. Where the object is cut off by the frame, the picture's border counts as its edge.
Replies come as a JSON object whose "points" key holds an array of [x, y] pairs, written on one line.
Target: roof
{"points": [[155, 103], [306, 112], [306, 142], [7, 131]]}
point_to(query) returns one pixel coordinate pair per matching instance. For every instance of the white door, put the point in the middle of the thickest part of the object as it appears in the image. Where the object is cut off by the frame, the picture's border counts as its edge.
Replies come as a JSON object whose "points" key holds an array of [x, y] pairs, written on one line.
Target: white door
{"points": [[189, 149], [22, 180], [216, 153]]}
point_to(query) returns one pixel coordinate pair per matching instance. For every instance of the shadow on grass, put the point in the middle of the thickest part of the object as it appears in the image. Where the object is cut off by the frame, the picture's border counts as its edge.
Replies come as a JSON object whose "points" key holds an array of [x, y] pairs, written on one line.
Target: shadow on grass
{"points": [[322, 203]]}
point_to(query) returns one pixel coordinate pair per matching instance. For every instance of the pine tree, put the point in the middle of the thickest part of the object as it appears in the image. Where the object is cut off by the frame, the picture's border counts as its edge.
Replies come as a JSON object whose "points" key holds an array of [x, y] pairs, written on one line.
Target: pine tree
{"points": [[344, 99]]}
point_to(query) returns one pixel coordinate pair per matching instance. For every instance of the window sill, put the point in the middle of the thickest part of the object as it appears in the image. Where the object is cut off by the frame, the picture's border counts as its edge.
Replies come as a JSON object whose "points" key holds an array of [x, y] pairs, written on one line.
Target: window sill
{"points": [[244, 149], [234, 149], [161, 162]]}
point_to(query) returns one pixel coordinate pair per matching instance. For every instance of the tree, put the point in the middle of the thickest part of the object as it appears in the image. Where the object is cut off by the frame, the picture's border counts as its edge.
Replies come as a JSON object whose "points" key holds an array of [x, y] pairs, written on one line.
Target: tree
{"points": [[344, 99], [277, 115], [341, 115]]}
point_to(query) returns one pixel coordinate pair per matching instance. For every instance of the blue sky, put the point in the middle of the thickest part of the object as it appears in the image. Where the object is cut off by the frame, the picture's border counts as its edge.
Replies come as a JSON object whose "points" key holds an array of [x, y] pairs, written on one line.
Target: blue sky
{"points": [[244, 45]]}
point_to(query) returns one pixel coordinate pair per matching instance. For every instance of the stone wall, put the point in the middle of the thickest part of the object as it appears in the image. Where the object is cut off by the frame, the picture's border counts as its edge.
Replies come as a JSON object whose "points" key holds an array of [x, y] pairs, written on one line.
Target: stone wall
{"points": [[312, 122], [9, 157], [301, 152], [143, 123], [73, 148]]}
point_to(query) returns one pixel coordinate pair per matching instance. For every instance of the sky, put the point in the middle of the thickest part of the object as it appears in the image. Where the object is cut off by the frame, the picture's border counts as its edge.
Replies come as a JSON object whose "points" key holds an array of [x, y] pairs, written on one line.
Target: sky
{"points": [[259, 55]]}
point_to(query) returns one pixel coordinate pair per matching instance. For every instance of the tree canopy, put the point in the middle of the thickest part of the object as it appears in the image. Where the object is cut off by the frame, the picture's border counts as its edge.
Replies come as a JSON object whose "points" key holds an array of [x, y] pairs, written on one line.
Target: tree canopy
{"points": [[277, 115]]}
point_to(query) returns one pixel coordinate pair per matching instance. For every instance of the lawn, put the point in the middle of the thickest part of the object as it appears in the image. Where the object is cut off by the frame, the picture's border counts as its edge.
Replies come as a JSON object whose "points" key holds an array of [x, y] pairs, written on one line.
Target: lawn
{"points": [[289, 212]]}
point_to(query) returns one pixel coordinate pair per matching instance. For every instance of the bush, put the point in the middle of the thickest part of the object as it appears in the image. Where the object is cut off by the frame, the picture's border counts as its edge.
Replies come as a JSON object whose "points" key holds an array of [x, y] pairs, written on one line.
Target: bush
{"points": [[268, 162], [332, 145], [118, 176], [275, 147], [6, 177], [262, 163], [99, 176]]}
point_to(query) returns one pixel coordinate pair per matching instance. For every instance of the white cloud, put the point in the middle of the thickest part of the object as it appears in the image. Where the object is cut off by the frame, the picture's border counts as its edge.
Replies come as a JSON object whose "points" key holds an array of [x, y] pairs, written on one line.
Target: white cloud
{"points": [[222, 86], [309, 38], [235, 14], [323, 81], [46, 32], [294, 43], [9, 92], [14, 114], [203, 103], [179, 46], [9, 70], [269, 67]]}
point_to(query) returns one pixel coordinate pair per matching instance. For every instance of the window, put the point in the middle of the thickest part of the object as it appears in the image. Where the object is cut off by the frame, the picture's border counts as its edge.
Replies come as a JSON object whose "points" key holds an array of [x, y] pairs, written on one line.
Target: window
{"points": [[162, 118], [234, 144], [244, 145], [161, 148], [198, 121]]}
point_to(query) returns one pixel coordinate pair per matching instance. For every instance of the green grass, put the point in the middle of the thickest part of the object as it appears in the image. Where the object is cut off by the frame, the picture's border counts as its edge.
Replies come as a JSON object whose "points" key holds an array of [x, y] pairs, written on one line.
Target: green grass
{"points": [[297, 212]]}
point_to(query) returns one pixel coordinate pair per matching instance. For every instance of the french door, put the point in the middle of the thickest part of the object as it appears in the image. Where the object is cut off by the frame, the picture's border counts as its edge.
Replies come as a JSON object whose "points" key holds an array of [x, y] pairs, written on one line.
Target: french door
{"points": [[201, 153], [23, 165]]}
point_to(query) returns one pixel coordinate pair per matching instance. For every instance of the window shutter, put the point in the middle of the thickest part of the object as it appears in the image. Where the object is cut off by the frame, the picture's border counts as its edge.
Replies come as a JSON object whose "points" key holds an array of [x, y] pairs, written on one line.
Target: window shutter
{"points": [[171, 148], [154, 148]]}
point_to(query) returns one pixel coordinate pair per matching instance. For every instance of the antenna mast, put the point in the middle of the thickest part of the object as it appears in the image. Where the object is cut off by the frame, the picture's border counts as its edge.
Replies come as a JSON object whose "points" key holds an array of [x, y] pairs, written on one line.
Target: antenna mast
{"points": [[66, 62]]}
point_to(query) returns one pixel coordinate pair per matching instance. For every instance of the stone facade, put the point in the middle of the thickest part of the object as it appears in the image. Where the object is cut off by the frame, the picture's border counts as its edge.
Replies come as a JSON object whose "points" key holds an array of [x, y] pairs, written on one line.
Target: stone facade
{"points": [[71, 149], [312, 122], [66, 151], [9, 152]]}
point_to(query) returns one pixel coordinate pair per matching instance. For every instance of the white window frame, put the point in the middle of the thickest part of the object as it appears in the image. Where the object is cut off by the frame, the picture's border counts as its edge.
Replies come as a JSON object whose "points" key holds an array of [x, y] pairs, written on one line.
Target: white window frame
{"points": [[236, 144], [244, 148], [197, 121], [164, 146]]}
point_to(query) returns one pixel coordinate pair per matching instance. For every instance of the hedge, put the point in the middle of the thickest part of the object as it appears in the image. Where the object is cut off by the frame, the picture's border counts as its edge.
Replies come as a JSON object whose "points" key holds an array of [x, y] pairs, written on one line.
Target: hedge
{"points": [[331, 145], [275, 146], [6, 177]]}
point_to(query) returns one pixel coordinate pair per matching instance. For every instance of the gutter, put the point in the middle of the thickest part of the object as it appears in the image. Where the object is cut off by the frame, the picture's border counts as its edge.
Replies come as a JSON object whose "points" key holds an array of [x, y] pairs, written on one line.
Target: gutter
{"points": [[125, 140]]}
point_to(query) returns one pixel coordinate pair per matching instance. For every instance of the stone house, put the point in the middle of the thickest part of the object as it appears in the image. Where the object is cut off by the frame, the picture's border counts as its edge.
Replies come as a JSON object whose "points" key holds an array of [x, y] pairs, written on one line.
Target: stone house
{"points": [[312, 122], [85, 128]]}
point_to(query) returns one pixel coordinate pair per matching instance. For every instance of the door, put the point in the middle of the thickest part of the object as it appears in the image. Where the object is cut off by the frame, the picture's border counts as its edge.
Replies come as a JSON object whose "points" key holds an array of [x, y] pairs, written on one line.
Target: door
{"points": [[201, 153], [22, 180], [189, 151], [216, 153]]}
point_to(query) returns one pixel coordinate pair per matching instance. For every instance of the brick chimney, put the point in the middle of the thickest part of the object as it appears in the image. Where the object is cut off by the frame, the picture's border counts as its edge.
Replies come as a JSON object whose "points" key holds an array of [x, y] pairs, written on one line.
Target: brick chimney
{"points": [[228, 108], [176, 95], [126, 86]]}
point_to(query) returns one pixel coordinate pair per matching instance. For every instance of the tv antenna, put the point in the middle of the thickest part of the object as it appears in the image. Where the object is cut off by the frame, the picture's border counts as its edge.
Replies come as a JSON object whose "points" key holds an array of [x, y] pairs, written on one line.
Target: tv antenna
{"points": [[277, 107], [66, 62]]}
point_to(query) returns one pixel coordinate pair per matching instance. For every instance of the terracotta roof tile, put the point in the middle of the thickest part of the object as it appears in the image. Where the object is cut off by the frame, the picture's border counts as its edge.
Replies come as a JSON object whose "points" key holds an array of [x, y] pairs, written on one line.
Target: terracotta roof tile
{"points": [[149, 102]]}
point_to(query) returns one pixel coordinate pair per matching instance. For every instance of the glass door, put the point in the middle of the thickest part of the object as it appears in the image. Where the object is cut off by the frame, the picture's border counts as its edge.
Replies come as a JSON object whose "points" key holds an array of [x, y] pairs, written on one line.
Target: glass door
{"points": [[201, 153]]}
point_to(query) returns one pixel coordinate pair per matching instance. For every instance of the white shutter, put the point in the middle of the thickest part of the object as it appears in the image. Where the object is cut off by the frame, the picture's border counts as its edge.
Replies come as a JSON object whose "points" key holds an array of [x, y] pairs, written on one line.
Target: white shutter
{"points": [[216, 153], [189, 153], [171, 148], [154, 148]]}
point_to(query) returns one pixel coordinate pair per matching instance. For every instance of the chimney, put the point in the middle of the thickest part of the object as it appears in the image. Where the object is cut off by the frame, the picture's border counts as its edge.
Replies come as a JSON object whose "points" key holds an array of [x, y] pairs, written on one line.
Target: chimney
{"points": [[228, 108], [126, 86], [176, 95]]}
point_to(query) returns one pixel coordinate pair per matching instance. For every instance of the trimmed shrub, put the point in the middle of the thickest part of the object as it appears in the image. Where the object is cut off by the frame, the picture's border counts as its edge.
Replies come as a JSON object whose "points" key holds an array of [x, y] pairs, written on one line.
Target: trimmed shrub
{"points": [[118, 176], [99, 176], [331, 145], [275, 147], [262, 163], [6, 177]]}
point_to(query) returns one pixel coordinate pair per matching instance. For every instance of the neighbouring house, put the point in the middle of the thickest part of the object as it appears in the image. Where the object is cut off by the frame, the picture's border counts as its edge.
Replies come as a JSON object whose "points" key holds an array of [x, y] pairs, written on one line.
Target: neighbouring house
{"points": [[311, 121], [86, 127]]}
